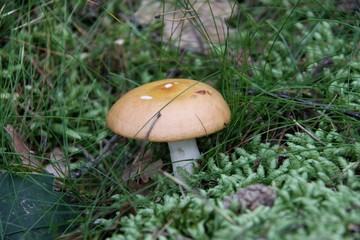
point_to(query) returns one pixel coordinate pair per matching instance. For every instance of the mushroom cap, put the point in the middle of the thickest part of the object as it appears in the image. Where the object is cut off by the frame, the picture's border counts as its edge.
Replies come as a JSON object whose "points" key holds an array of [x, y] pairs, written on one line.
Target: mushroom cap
{"points": [[188, 109]]}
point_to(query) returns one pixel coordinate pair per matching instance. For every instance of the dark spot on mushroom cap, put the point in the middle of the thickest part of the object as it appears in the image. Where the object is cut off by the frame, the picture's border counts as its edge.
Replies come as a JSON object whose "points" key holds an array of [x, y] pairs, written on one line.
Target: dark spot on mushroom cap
{"points": [[202, 92]]}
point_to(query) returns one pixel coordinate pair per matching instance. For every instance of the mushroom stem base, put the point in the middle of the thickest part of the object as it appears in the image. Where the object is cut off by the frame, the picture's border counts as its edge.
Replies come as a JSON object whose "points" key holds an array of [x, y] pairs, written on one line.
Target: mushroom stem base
{"points": [[183, 153]]}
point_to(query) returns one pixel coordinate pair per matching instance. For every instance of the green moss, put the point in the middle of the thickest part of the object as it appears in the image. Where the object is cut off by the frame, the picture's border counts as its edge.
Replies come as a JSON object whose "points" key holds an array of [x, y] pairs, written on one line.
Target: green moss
{"points": [[315, 195]]}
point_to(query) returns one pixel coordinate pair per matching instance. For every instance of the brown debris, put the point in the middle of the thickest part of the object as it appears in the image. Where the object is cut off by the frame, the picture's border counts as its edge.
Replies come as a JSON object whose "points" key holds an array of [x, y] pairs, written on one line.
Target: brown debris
{"points": [[139, 174], [192, 26], [251, 197], [21, 148]]}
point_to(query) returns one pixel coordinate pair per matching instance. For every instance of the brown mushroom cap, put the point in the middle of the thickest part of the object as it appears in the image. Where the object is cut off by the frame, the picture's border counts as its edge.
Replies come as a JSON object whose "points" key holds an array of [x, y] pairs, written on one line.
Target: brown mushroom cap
{"points": [[188, 108]]}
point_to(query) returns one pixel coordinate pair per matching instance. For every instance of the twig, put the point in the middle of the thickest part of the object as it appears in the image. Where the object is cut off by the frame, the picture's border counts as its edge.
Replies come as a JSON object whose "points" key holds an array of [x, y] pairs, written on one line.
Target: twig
{"points": [[142, 149], [108, 144], [245, 140], [94, 162], [174, 70], [157, 233], [184, 11], [88, 155], [308, 132], [107, 149], [176, 11], [205, 200], [179, 19], [140, 155], [351, 165], [314, 104], [308, 103]]}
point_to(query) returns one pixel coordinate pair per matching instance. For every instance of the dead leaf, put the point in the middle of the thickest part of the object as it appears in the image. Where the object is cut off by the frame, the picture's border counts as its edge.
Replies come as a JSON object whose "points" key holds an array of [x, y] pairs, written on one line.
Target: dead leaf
{"points": [[139, 174], [57, 165], [135, 168], [21, 148], [143, 167], [191, 25], [150, 170]]}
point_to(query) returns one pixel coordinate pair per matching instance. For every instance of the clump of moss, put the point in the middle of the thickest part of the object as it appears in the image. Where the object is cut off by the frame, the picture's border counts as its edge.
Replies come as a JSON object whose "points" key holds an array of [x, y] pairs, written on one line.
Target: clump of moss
{"points": [[314, 183]]}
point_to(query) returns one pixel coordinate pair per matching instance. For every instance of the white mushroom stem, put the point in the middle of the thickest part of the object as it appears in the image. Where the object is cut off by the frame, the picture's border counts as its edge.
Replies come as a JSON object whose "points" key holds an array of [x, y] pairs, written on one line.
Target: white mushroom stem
{"points": [[183, 154]]}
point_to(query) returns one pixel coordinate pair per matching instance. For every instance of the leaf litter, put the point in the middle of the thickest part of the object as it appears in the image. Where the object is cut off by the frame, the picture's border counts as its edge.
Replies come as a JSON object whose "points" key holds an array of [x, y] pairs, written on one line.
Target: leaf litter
{"points": [[58, 163], [139, 175], [21, 148], [193, 25]]}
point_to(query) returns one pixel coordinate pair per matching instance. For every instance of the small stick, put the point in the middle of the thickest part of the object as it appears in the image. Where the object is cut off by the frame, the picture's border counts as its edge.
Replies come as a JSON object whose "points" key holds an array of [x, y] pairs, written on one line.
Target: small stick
{"points": [[307, 102], [88, 155], [176, 19], [108, 144], [175, 11], [161, 230], [174, 70], [94, 162], [308, 132], [314, 104], [179, 19], [142, 149], [197, 194]]}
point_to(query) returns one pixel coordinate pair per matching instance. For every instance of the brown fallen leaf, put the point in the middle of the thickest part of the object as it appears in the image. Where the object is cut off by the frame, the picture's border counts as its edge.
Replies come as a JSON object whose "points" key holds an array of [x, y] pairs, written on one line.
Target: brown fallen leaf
{"points": [[251, 197], [140, 173], [21, 148], [150, 170], [192, 25], [143, 167], [57, 165]]}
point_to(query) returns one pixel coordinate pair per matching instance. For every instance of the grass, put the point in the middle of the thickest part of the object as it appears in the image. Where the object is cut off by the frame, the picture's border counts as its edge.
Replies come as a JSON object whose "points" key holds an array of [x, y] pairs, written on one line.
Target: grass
{"points": [[289, 70]]}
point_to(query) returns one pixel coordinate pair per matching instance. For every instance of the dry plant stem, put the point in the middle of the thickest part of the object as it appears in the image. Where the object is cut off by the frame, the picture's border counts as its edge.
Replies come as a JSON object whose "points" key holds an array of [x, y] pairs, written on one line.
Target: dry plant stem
{"points": [[109, 144], [309, 103], [197, 194], [158, 233], [175, 70], [175, 11], [314, 104], [183, 153], [179, 19], [94, 162], [142, 149], [308, 132]]}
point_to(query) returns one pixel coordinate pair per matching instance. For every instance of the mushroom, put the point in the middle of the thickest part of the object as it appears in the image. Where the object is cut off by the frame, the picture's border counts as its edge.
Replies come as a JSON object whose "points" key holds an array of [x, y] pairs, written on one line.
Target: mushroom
{"points": [[175, 111]]}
